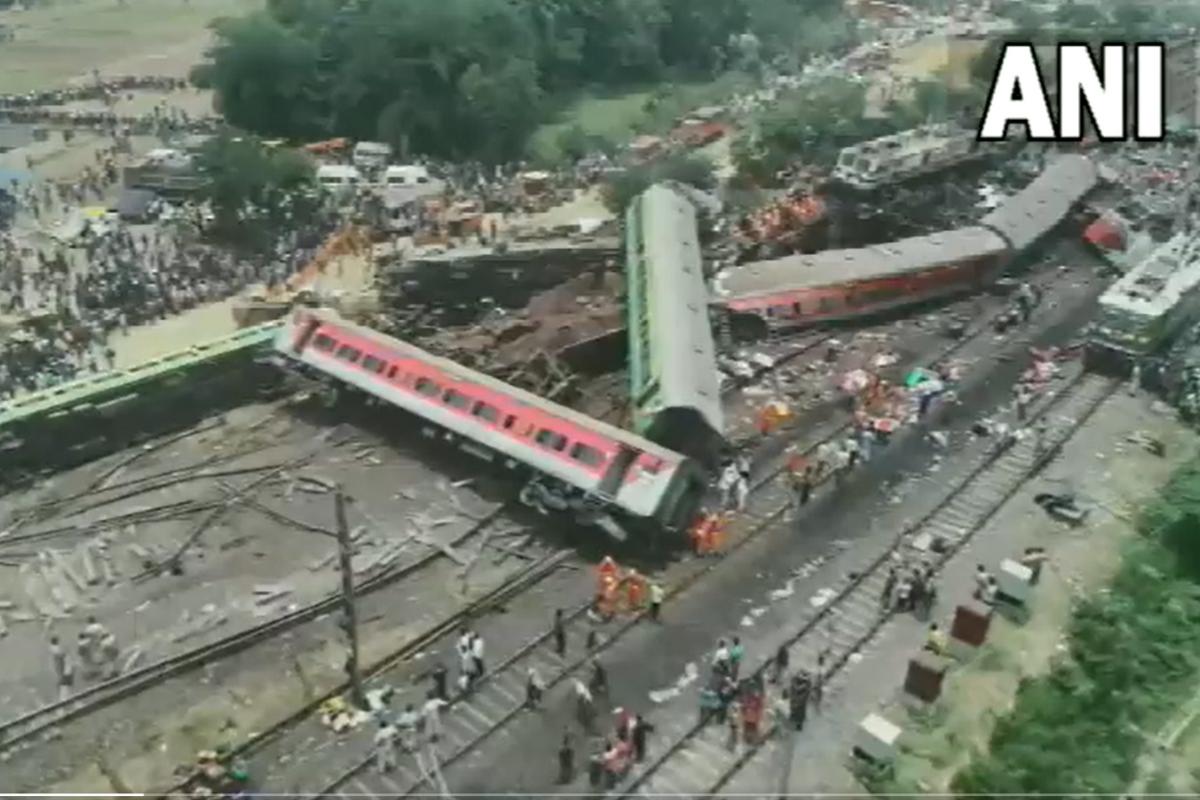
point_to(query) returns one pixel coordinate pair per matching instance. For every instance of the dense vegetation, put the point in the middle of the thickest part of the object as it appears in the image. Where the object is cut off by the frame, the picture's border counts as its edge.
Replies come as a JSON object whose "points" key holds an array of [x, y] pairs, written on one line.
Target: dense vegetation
{"points": [[473, 78], [1134, 659], [257, 193]]}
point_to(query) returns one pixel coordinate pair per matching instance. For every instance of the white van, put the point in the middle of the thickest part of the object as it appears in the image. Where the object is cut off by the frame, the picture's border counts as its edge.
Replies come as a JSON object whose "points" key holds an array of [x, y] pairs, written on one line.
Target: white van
{"points": [[371, 156], [338, 178], [406, 175]]}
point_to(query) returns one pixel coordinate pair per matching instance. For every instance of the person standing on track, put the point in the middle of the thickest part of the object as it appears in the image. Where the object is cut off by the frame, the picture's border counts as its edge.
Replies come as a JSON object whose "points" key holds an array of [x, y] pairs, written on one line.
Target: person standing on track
{"points": [[533, 689], [657, 595], [64, 670], [736, 653], [641, 730], [779, 664], [406, 726], [798, 695], [439, 682], [742, 487], [466, 661], [477, 655], [559, 633], [585, 707], [110, 655], [431, 713], [566, 760], [599, 680], [385, 746], [728, 486]]}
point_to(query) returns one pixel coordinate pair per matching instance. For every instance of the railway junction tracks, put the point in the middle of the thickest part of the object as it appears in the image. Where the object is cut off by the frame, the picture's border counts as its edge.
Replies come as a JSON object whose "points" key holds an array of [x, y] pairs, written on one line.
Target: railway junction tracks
{"points": [[26, 730], [694, 761], [472, 721], [487, 714]]}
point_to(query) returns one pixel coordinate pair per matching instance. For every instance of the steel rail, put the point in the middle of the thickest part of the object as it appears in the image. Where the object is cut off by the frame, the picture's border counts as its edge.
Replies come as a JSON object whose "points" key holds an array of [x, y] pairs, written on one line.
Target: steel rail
{"points": [[523, 580], [1075, 390], [26, 726], [761, 526]]}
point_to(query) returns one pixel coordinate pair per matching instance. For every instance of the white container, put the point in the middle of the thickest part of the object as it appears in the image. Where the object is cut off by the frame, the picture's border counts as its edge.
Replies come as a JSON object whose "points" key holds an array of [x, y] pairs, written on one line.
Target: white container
{"points": [[1015, 580], [876, 739]]}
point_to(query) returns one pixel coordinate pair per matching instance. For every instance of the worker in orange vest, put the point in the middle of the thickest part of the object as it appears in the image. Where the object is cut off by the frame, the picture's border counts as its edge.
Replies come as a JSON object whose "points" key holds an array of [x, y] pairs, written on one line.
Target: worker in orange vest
{"points": [[716, 533], [635, 591], [607, 596], [699, 533], [773, 414], [607, 568]]}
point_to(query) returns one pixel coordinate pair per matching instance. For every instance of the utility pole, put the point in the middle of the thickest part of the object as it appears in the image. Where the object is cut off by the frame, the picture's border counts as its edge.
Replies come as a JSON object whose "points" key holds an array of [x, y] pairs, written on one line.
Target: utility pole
{"points": [[349, 620]]}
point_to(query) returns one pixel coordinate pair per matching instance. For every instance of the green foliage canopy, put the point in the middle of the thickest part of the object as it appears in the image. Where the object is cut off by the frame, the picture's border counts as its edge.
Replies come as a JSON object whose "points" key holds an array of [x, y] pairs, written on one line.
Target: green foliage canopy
{"points": [[1134, 658], [255, 191], [465, 78]]}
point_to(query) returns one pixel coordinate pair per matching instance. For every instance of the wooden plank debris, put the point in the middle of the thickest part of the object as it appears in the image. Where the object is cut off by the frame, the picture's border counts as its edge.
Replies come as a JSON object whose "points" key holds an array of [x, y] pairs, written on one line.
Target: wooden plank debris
{"points": [[67, 570]]}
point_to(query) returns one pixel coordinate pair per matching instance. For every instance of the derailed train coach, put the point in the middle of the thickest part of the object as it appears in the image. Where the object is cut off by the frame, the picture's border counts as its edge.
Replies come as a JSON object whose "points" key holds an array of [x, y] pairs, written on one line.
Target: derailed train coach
{"points": [[835, 285], [598, 473], [674, 388], [80, 420]]}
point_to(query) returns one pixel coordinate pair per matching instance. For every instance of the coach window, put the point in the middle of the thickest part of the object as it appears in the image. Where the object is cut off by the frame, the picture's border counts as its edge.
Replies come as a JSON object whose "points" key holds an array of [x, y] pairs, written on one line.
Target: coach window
{"points": [[486, 412], [427, 387], [551, 440], [509, 421], [348, 353], [586, 454], [373, 364], [323, 342], [392, 372], [456, 400]]}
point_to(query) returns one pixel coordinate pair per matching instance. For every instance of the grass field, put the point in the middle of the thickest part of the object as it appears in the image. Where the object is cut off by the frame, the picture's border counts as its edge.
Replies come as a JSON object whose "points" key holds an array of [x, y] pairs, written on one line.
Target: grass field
{"points": [[617, 118], [66, 39]]}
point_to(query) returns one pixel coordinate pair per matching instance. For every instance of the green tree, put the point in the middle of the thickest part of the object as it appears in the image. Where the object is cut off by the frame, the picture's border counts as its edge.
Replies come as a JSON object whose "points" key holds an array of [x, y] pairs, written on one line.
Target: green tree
{"points": [[265, 77], [256, 192]]}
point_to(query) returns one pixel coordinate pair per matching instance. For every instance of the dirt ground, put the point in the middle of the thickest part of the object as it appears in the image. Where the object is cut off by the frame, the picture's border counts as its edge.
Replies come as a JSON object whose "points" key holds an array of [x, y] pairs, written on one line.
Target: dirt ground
{"points": [[62, 42], [1120, 477]]}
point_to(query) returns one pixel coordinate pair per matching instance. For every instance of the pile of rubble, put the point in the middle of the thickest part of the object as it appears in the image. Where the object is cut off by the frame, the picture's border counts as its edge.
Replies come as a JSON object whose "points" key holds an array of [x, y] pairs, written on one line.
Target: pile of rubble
{"points": [[536, 347]]}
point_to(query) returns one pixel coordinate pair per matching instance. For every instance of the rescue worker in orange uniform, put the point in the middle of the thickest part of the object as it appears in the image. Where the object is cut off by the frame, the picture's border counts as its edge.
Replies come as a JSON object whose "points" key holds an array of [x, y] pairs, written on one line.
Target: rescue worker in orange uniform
{"points": [[716, 533], [635, 590], [773, 414], [608, 598], [606, 569], [699, 533]]}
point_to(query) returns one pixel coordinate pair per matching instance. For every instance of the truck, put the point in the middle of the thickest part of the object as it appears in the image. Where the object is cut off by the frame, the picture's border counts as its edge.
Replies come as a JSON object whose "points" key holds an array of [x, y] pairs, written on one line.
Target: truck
{"points": [[371, 157]]}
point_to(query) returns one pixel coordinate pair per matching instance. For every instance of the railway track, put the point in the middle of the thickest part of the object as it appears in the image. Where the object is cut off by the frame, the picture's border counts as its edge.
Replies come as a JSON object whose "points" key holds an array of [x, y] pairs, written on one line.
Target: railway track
{"points": [[694, 760], [102, 484], [502, 701], [27, 727]]}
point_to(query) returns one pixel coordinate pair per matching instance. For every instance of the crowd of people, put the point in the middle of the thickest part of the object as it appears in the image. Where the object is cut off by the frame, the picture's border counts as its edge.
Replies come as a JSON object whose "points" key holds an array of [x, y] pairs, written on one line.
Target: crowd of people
{"points": [[96, 89], [74, 301], [47, 108], [97, 656]]}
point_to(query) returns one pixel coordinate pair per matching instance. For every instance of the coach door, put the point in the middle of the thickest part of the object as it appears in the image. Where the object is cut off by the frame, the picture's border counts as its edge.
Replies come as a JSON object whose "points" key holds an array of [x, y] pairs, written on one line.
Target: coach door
{"points": [[617, 469]]}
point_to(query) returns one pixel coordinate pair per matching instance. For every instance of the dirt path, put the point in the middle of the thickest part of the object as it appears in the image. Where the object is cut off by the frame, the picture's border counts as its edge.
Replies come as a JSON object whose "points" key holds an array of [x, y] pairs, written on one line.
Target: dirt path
{"points": [[1104, 469]]}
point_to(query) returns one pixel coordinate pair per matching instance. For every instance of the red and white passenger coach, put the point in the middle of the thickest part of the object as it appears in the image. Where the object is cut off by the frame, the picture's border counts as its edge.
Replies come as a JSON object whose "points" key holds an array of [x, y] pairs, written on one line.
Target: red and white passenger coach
{"points": [[577, 463]]}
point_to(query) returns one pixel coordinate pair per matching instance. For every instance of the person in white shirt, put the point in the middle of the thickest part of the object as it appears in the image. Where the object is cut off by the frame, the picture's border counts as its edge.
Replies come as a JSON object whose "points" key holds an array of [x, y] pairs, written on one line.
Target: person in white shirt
{"points": [[406, 726], [431, 712], [385, 746], [477, 654]]}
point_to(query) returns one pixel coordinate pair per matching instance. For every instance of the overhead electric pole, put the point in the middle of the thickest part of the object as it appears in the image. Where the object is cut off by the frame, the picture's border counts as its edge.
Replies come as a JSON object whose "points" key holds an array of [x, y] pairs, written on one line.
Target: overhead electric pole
{"points": [[349, 621]]}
